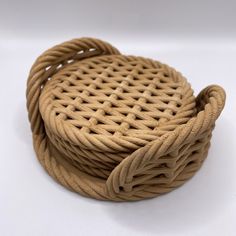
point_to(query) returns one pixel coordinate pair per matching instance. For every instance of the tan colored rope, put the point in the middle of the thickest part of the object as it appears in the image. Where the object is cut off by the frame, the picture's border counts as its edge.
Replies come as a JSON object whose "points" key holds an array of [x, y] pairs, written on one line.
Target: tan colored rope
{"points": [[116, 127]]}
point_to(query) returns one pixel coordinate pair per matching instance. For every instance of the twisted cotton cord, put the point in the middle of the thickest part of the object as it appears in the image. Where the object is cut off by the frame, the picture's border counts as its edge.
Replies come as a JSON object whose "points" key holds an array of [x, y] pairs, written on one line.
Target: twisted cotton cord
{"points": [[203, 122]]}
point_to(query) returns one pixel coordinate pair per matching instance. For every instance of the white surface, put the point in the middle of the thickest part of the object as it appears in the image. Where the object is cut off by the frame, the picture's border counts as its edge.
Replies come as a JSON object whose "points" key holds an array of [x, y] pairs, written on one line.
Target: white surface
{"points": [[31, 203]]}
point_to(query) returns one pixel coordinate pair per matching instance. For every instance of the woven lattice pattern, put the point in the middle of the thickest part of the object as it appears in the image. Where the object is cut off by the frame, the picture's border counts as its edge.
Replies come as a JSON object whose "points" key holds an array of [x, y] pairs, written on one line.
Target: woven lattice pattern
{"points": [[117, 127], [118, 96]]}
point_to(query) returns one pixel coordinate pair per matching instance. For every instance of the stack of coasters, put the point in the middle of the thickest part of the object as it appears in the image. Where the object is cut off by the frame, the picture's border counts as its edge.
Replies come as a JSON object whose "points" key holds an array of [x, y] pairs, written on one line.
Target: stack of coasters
{"points": [[117, 127]]}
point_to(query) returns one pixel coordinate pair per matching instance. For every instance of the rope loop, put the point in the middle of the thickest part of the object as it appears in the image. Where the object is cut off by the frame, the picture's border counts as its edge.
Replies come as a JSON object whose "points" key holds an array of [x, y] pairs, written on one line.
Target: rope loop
{"points": [[53, 60]]}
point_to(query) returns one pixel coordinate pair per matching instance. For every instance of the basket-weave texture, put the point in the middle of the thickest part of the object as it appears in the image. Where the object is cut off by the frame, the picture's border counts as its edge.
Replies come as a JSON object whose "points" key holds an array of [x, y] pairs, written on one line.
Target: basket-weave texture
{"points": [[117, 127]]}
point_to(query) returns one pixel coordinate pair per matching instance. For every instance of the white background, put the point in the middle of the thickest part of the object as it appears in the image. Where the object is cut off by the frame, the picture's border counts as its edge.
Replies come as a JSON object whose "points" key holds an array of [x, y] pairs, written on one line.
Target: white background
{"points": [[196, 37]]}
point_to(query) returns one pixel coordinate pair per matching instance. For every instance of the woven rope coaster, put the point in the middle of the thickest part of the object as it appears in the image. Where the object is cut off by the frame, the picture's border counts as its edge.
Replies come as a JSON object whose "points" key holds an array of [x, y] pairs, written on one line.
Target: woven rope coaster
{"points": [[117, 127]]}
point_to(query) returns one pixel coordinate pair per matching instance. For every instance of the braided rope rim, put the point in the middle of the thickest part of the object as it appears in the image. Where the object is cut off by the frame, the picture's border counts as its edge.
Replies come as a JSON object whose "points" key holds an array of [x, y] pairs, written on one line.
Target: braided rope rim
{"points": [[120, 183]]}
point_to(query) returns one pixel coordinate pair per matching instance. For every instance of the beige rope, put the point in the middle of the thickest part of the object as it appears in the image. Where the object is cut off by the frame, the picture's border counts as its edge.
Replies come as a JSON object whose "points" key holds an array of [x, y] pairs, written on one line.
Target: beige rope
{"points": [[117, 127]]}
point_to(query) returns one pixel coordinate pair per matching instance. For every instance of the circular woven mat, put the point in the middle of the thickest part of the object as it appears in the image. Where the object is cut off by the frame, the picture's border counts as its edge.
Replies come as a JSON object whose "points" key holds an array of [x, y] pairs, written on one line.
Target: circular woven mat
{"points": [[117, 127]]}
